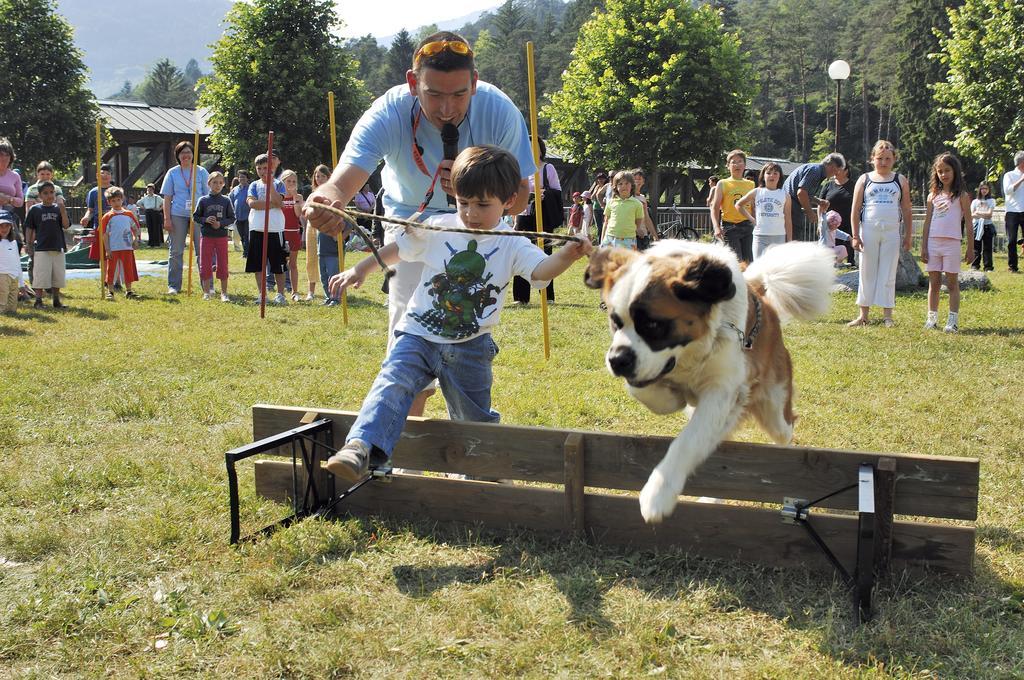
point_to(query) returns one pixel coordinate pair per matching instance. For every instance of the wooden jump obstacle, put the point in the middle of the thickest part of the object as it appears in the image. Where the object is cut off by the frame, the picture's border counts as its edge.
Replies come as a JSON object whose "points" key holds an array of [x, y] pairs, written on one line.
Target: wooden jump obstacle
{"points": [[850, 524]]}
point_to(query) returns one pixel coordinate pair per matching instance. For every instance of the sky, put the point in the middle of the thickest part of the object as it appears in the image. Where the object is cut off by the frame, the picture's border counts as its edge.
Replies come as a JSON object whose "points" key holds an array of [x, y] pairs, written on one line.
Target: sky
{"points": [[387, 17]]}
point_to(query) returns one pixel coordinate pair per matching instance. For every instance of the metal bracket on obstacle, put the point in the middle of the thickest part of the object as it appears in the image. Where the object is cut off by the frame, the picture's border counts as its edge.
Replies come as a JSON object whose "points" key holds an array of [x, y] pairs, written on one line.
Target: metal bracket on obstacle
{"points": [[873, 530], [313, 488]]}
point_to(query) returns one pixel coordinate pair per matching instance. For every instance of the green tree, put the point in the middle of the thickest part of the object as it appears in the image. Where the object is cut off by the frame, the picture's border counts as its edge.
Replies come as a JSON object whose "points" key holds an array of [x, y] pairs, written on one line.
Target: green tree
{"points": [[652, 83], [125, 93], [45, 108], [924, 128], [370, 57], [984, 90], [399, 58], [502, 62], [272, 70], [165, 85], [192, 73], [424, 31]]}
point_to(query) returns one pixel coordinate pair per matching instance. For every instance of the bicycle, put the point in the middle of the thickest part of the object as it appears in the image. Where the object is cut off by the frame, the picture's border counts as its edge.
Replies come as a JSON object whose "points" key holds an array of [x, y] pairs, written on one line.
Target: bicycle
{"points": [[677, 229]]}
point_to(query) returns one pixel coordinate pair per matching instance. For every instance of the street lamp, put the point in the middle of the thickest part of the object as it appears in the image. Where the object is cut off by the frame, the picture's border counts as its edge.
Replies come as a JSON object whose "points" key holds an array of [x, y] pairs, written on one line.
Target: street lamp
{"points": [[838, 71]]}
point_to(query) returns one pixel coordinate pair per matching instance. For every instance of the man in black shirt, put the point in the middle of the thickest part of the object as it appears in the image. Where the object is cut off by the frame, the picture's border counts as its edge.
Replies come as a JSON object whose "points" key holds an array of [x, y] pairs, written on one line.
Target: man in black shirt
{"points": [[839, 194]]}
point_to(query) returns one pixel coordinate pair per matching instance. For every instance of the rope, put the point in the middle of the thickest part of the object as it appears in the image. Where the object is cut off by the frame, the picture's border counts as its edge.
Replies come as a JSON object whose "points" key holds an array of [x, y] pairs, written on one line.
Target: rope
{"points": [[350, 215]]}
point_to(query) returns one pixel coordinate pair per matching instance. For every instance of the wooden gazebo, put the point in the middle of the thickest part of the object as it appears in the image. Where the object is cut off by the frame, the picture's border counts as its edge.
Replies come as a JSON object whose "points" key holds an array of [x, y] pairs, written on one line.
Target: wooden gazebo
{"points": [[144, 137]]}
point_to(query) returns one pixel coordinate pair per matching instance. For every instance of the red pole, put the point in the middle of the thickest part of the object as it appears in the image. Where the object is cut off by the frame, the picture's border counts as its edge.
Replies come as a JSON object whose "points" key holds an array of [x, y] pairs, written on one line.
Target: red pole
{"points": [[266, 225]]}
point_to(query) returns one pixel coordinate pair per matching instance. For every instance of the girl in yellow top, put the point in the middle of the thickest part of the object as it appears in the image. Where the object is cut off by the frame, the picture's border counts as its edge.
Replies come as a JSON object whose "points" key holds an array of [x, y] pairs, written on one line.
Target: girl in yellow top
{"points": [[624, 213]]}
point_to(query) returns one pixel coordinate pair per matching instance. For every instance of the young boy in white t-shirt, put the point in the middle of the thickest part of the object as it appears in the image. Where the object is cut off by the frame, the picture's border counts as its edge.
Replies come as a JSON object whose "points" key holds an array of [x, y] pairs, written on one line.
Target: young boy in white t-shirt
{"points": [[445, 331], [256, 199]]}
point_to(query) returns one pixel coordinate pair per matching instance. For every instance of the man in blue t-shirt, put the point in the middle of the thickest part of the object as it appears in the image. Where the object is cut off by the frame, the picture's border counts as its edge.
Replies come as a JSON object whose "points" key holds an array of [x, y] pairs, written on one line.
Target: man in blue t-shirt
{"points": [[403, 129], [802, 186]]}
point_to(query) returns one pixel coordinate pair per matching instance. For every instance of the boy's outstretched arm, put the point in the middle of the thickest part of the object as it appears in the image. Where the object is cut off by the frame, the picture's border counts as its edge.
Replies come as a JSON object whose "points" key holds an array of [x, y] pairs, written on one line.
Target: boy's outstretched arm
{"points": [[561, 259], [354, 276]]}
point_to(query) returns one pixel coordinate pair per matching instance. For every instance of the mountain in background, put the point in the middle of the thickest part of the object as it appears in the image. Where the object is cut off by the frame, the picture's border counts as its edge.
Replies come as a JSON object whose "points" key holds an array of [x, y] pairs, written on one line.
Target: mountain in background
{"points": [[448, 25], [121, 39]]}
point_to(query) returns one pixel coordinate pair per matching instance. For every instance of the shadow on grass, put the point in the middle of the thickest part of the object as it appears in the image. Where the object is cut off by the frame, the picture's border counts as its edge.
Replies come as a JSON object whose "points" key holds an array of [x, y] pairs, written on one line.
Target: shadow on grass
{"points": [[1003, 331], [78, 311], [570, 564], [11, 332], [1002, 537]]}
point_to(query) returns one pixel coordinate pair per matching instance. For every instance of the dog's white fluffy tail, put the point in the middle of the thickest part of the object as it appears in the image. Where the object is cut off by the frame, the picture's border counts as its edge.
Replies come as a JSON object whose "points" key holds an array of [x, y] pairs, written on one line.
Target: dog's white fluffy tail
{"points": [[797, 278]]}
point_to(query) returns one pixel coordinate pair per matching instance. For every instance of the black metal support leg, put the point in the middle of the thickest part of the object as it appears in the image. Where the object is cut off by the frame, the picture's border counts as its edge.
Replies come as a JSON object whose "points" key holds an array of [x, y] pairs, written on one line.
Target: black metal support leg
{"points": [[865, 574]]}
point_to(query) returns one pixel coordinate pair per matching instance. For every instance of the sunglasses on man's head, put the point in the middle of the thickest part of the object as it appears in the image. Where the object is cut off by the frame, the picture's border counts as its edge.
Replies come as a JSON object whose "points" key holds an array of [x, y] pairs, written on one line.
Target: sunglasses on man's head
{"points": [[438, 46]]}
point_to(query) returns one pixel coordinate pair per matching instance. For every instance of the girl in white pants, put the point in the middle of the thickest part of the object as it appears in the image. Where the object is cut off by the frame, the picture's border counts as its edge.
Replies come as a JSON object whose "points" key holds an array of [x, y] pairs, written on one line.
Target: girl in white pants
{"points": [[881, 202]]}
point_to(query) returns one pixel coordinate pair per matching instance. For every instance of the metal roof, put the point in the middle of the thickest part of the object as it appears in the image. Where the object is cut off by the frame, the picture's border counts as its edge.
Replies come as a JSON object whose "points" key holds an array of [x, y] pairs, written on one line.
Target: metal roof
{"points": [[140, 117], [758, 162]]}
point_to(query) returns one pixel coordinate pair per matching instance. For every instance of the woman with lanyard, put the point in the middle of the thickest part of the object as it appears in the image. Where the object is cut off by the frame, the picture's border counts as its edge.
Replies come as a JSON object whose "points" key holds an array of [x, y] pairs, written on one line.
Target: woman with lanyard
{"points": [[177, 193]]}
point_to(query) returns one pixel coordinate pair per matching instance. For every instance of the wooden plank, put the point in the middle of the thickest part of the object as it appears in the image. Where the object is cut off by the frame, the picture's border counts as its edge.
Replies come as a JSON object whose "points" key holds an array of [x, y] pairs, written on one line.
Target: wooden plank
{"points": [[575, 511], [930, 486], [708, 529], [885, 496]]}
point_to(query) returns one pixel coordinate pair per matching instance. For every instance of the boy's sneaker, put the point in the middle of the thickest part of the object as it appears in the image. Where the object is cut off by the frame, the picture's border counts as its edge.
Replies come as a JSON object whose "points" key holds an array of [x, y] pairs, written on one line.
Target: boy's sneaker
{"points": [[932, 322], [352, 462], [206, 296], [280, 299], [951, 328], [171, 290], [224, 297], [109, 295], [39, 303], [131, 295]]}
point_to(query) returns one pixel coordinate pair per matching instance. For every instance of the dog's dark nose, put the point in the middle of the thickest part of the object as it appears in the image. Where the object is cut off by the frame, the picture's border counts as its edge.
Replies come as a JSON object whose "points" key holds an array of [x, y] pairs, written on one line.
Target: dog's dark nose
{"points": [[622, 362]]}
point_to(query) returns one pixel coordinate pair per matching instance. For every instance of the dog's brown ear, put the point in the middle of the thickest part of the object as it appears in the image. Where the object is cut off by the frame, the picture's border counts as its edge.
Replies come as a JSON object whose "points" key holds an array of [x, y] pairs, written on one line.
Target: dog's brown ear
{"points": [[604, 263], [704, 279]]}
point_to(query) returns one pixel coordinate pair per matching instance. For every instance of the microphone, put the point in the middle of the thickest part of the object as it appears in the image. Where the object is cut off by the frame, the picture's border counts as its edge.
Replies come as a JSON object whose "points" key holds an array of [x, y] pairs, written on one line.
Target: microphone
{"points": [[450, 140]]}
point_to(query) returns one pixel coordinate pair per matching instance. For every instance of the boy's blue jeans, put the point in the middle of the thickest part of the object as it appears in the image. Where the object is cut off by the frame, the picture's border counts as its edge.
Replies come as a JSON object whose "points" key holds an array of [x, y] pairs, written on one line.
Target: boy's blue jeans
{"points": [[328, 268], [462, 368]]}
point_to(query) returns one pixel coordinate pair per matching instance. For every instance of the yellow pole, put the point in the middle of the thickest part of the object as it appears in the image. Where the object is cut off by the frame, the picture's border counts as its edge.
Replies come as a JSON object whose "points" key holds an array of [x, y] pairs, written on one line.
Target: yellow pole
{"points": [[341, 241], [537, 188], [192, 208], [98, 234]]}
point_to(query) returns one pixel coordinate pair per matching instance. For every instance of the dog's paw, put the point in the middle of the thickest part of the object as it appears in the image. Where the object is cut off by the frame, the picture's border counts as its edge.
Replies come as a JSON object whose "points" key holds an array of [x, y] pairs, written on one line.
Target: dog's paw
{"points": [[658, 499]]}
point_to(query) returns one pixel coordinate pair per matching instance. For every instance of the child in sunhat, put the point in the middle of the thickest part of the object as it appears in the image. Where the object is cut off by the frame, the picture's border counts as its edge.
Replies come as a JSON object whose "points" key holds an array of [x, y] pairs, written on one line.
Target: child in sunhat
{"points": [[576, 214], [829, 232], [10, 263]]}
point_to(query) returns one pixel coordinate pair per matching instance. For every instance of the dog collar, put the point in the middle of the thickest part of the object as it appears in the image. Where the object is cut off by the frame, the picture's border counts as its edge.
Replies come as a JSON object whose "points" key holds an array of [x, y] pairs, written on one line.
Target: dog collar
{"points": [[747, 339]]}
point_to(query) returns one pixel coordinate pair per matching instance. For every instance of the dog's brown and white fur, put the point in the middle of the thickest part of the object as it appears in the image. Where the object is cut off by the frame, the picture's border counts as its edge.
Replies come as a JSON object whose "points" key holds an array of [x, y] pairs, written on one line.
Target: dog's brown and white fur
{"points": [[679, 314]]}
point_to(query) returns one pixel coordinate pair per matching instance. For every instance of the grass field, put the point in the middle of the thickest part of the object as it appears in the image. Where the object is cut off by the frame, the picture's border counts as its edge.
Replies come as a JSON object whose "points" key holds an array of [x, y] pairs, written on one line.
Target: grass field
{"points": [[113, 508]]}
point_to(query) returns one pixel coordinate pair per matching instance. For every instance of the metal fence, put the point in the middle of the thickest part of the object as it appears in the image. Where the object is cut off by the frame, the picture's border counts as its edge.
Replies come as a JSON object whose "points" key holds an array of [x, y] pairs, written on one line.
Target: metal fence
{"points": [[699, 219]]}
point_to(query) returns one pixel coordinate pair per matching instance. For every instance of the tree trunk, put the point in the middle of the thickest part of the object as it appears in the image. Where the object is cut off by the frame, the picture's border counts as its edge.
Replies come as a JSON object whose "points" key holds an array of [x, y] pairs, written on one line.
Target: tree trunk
{"points": [[867, 123], [654, 189]]}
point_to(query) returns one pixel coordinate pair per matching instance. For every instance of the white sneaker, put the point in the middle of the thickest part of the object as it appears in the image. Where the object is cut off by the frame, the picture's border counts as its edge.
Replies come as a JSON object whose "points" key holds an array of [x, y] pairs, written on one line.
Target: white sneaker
{"points": [[951, 328], [224, 297], [258, 299], [352, 462], [931, 324], [280, 299], [206, 296], [171, 290]]}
